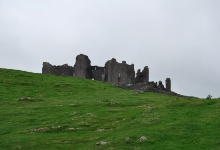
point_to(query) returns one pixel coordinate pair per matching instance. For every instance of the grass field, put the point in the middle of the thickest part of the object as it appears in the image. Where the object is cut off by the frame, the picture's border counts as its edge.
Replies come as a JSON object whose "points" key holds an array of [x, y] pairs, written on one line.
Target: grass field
{"points": [[49, 112]]}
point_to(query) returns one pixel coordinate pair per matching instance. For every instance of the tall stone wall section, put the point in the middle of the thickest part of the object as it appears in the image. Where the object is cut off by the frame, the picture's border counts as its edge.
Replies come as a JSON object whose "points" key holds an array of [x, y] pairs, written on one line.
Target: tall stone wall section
{"points": [[142, 76], [145, 74], [98, 73], [168, 84], [47, 68], [82, 67], [120, 73], [63, 70]]}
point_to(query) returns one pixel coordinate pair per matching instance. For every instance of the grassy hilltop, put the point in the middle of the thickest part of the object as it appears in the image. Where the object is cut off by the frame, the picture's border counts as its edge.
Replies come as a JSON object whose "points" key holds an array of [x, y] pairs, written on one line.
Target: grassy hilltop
{"points": [[49, 112]]}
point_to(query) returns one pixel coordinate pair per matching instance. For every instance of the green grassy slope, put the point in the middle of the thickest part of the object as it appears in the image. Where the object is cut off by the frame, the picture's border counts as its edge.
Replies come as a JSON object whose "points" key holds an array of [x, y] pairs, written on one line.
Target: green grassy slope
{"points": [[74, 113]]}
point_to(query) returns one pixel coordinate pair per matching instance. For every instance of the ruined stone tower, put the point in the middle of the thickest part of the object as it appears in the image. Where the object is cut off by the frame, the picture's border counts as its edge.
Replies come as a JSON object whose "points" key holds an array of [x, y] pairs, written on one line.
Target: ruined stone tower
{"points": [[120, 73], [82, 67], [142, 77], [145, 74], [168, 84]]}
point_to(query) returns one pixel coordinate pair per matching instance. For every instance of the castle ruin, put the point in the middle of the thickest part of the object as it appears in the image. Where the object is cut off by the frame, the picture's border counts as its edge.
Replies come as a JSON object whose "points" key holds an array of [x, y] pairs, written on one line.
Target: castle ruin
{"points": [[121, 74], [63, 70]]}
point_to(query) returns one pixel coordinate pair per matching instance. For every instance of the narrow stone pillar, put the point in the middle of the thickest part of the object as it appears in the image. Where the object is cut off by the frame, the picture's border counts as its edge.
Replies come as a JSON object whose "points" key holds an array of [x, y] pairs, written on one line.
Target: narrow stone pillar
{"points": [[168, 84], [146, 74]]}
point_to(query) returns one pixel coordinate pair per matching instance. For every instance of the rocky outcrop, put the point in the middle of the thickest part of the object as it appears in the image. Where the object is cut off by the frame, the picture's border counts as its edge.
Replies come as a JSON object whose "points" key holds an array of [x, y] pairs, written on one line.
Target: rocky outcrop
{"points": [[151, 87]]}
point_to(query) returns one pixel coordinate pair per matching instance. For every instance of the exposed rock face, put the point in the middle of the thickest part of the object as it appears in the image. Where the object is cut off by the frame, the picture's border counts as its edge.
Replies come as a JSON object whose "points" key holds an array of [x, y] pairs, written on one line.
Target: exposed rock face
{"points": [[82, 67], [168, 84], [120, 73], [63, 70]]}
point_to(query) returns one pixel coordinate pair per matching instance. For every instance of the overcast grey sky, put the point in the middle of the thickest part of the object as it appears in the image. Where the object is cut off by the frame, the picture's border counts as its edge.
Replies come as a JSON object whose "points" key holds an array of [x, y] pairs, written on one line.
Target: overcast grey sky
{"points": [[179, 39]]}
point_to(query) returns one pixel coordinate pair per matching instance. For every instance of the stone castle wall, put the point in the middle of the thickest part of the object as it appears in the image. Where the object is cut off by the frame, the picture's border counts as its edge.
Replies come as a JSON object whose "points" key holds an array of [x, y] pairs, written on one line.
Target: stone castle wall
{"points": [[63, 70], [98, 73], [120, 73], [82, 67], [113, 72], [142, 77]]}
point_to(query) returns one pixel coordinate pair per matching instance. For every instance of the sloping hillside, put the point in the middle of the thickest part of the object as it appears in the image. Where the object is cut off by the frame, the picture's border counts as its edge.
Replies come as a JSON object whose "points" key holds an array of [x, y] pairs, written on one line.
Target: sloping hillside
{"points": [[50, 112]]}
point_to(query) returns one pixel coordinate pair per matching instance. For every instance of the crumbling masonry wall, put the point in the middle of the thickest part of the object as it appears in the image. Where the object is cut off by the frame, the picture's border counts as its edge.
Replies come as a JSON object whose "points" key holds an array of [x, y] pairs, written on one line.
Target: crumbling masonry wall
{"points": [[114, 72], [142, 77], [120, 73], [98, 73], [82, 67], [63, 70]]}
